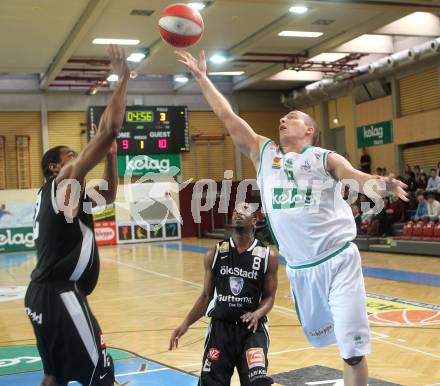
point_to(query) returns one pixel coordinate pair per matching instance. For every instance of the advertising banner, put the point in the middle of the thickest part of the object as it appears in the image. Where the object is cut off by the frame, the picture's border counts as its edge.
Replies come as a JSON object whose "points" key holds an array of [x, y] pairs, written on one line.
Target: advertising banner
{"points": [[16, 232]]}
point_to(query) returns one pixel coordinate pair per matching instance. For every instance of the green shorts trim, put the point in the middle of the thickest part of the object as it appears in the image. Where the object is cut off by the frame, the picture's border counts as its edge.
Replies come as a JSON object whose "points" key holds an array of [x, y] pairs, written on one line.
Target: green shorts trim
{"points": [[322, 260]]}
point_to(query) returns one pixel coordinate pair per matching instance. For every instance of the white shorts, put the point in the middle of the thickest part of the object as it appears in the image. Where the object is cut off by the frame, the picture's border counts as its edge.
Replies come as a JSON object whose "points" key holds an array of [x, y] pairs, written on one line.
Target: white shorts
{"points": [[330, 301]]}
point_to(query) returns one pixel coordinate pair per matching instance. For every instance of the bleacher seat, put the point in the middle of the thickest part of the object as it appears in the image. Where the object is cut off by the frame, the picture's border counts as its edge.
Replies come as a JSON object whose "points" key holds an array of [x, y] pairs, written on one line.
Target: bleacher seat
{"points": [[407, 231], [428, 231], [417, 230], [436, 235]]}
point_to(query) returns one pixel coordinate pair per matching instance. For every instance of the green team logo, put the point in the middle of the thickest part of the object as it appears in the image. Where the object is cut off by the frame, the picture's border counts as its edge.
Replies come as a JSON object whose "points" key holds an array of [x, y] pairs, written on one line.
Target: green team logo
{"points": [[283, 198], [16, 239]]}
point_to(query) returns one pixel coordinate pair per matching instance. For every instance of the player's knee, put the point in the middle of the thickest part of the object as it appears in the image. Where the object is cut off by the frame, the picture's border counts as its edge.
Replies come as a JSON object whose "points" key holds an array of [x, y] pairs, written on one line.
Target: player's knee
{"points": [[353, 361]]}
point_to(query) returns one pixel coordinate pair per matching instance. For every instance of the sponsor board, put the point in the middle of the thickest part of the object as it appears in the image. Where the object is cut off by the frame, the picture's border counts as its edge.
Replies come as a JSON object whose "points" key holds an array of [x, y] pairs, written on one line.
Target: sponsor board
{"points": [[107, 213], [375, 134], [143, 164], [386, 310], [16, 239], [105, 232]]}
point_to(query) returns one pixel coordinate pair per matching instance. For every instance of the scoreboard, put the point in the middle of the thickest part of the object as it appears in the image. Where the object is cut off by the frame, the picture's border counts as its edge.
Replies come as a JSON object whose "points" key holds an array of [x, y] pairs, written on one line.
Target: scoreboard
{"points": [[149, 129]]}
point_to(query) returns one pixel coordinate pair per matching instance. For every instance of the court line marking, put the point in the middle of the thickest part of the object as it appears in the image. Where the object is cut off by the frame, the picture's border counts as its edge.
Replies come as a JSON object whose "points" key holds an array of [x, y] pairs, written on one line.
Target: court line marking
{"points": [[381, 336], [153, 272], [115, 299], [372, 272], [409, 348], [281, 309]]}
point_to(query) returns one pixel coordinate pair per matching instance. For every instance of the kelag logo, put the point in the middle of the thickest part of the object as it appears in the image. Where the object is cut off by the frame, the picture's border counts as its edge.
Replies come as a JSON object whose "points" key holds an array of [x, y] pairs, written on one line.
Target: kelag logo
{"points": [[146, 164], [143, 164], [16, 239], [283, 198]]}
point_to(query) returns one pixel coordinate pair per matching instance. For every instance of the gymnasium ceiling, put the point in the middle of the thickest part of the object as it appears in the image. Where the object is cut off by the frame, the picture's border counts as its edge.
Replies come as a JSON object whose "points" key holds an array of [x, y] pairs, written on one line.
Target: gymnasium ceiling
{"points": [[42, 36]]}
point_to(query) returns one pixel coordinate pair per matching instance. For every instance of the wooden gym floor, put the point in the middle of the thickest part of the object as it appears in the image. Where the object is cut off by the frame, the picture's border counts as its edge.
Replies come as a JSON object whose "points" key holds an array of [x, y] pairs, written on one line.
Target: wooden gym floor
{"points": [[145, 290]]}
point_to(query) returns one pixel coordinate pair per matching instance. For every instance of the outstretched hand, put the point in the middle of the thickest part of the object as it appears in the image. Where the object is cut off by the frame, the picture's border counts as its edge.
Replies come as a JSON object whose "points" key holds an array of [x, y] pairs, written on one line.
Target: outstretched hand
{"points": [[118, 62], [396, 188], [196, 66]]}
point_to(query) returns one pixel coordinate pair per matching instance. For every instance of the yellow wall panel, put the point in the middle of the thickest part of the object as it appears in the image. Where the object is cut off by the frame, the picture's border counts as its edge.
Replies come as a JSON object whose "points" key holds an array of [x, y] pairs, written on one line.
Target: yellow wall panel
{"points": [[417, 127], [419, 92], [207, 159], [342, 108], [265, 124], [378, 110], [425, 156], [22, 123], [69, 128]]}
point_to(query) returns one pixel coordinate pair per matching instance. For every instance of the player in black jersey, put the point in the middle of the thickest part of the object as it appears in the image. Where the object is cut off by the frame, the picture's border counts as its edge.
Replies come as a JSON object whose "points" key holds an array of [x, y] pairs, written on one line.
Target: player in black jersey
{"points": [[68, 336], [239, 290]]}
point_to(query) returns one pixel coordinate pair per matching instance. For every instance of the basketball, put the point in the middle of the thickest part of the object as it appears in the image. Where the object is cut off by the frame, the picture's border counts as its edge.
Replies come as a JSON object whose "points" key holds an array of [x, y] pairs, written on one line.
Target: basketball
{"points": [[180, 25]]}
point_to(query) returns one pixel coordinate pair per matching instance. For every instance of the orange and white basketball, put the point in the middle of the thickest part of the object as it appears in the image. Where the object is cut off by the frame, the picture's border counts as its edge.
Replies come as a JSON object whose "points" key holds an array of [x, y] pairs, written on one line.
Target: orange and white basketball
{"points": [[180, 25]]}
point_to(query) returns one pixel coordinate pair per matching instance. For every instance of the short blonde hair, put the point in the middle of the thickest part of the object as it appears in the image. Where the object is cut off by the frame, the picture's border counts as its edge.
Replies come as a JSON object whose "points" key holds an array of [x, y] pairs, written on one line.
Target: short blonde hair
{"points": [[310, 122]]}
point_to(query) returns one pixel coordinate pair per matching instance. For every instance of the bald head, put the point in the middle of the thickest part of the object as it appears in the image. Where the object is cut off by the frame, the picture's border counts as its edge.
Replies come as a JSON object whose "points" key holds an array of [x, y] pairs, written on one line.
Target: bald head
{"points": [[298, 127]]}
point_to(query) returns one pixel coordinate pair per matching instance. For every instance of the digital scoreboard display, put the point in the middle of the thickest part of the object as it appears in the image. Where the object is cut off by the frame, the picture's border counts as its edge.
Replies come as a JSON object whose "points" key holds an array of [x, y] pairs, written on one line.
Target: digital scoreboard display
{"points": [[149, 130]]}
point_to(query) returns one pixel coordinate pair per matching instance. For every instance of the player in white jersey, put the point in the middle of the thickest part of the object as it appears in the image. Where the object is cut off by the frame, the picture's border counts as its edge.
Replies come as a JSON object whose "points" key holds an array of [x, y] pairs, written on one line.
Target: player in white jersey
{"points": [[313, 226]]}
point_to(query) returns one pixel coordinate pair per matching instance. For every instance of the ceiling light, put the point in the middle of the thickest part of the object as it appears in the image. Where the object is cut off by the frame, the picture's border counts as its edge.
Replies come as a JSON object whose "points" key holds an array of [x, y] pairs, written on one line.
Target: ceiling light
{"points": [[181, 79], [300, 34], [335, 120], [298, 9], [297, 76], [113, 78], [218, 58], [197, 6], [328, 57], [122, 42], [226, 73], [136, 57]]}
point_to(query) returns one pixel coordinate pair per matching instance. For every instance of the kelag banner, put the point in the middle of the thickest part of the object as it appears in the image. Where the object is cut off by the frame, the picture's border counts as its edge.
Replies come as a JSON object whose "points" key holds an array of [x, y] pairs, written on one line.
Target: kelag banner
{"points": [[16, 233], [375, 134], [144, 164]]}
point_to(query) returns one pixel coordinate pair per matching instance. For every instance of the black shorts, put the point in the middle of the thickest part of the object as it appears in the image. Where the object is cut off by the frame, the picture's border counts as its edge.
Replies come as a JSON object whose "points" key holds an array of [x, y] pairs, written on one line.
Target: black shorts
{"points": [[69, 339], [230, 345]]}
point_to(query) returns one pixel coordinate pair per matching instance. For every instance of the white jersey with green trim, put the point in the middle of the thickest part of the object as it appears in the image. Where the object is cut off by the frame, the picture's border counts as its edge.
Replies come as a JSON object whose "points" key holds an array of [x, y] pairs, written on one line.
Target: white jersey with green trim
{"points": [[308, 216]]}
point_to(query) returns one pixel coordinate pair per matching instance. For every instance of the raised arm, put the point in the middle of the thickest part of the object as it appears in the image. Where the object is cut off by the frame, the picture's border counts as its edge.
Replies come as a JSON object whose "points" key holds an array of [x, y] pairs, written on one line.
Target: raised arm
{"points": [[268, 298], [241, 133], [201, 304], [110, 176], [109, 125], [341, 169]]}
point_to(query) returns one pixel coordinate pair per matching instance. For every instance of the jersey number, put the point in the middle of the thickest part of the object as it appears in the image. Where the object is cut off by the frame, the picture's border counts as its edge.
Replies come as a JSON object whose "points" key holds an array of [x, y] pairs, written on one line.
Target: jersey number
{"points": [[290, 176], [257, 263], [36, 223]]}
